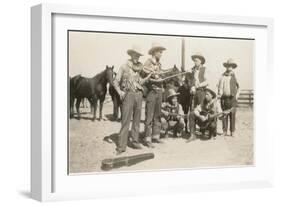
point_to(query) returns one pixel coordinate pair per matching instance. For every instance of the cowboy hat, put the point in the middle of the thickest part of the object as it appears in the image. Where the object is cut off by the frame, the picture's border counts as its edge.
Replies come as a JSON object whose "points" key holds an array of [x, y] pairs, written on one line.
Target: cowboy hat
{"points": [[199, 56], [172, 93], [211, 92], [134, 50], [155, 46], [230, 62]]}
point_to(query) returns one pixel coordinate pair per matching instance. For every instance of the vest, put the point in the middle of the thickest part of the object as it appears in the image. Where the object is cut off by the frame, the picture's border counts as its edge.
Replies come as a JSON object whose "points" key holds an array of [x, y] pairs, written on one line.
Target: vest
{"points": [[201, 75], [233, 85]]}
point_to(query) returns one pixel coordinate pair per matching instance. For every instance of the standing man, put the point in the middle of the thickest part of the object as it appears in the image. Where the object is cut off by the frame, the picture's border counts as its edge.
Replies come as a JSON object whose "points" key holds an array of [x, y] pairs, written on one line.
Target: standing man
{"points": [[154, 96], [200, 82], [128, 84], [228, 91]]}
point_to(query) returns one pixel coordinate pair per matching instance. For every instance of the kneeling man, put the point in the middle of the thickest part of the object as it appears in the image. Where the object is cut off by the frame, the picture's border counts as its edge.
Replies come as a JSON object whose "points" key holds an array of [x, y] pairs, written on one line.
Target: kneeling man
{"points": [[205, 116]]}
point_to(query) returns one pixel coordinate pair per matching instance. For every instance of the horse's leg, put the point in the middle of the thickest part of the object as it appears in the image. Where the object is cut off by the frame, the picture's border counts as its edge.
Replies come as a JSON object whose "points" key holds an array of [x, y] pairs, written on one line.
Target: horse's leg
{"points": [[91, 106], [91, 102], [189, 108], [115, 107], [101, 107], [83, 102], [185, 110], [71, 106], [78, 101], [94, 108]]}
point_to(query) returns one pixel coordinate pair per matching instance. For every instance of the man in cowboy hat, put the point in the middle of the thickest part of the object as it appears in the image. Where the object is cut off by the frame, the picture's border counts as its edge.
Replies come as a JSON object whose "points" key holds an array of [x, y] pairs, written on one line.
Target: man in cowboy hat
{"points": [[154, 90], [128, 84], [201, 115], [172, 115], [200, 81], [228, 91]]}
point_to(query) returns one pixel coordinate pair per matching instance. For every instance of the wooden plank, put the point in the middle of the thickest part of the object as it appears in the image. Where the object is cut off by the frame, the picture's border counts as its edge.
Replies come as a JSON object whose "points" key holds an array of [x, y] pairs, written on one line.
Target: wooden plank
{"points": [[246, 98], [246, 93], [245, 103]]}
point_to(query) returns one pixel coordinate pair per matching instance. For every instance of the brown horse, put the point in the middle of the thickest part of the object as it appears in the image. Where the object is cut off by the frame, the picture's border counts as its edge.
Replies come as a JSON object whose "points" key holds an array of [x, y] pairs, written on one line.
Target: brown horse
{"points": [[93, 89], [172, 83], [117, 103], [185, 97]]}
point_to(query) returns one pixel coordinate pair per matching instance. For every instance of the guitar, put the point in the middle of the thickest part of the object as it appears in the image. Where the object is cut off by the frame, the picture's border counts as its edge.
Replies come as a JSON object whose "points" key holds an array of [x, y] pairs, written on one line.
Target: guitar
{"points": [[211, 117]]}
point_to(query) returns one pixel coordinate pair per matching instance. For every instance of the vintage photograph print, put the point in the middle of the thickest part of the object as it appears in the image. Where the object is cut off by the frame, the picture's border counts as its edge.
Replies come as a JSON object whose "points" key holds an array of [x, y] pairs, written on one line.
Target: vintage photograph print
{"points": [[150, 102]]}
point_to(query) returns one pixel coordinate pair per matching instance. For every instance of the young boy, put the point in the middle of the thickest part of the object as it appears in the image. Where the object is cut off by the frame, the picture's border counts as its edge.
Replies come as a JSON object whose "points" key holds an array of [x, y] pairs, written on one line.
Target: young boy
{"points": [[172, 115], [228, 91]]}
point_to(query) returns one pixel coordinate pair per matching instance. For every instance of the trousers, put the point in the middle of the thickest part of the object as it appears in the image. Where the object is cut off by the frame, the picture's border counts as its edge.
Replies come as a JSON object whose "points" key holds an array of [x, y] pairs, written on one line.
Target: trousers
{"points": [[131, 108], [228, 103], [153, 114], [193, 120], [176, 126]]}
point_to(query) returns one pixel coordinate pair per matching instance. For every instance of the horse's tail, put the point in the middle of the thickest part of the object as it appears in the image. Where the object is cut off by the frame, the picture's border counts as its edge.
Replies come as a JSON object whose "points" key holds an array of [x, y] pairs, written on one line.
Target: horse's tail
{"points": [[74, 83]]}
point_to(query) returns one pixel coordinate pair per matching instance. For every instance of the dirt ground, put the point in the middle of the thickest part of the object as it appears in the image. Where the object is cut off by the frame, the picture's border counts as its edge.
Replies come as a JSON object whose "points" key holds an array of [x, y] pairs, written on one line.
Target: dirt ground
{"points": [[91, 142]]}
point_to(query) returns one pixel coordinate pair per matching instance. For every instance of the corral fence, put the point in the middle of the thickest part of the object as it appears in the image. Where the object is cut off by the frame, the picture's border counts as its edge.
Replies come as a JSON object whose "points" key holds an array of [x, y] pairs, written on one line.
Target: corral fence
{"points": [[246, 98]]}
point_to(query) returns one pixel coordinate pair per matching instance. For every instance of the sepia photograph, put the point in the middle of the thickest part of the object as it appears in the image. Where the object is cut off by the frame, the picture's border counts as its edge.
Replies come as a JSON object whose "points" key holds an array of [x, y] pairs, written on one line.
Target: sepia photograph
{"points": [[152, 102]]}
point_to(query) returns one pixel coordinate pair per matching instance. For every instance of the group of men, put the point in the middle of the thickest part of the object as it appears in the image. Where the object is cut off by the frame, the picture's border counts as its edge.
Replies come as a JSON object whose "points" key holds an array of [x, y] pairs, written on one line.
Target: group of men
{"points": [[135, 80]]}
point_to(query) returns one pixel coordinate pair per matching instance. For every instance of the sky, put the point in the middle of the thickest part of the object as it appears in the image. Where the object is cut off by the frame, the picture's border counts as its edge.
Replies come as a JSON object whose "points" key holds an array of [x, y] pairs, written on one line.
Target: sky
{"points": [[90, 52]]}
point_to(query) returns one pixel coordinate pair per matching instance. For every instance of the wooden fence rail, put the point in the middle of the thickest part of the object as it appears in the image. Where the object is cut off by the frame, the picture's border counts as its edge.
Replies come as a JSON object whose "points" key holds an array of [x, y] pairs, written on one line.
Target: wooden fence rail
{"points": [[246, 98]]}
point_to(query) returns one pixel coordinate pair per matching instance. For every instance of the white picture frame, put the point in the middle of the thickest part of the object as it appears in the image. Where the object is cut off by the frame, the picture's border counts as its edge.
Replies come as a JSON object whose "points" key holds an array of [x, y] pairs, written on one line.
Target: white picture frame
{"points": [[47, 179]]}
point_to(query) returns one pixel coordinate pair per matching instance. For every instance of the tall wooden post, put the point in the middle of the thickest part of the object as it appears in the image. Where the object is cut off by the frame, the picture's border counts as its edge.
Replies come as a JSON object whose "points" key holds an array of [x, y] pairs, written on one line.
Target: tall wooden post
{"points": [[183, 54]]}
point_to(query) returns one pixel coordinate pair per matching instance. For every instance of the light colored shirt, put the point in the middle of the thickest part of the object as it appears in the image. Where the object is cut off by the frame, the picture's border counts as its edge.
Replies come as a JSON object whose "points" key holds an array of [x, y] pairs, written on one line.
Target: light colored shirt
{"points": [[224, 85], [224, 88], [128, 77]]}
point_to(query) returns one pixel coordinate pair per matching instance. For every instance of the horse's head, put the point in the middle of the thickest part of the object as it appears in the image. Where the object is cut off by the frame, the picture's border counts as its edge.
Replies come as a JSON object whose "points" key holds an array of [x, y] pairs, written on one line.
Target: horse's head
{"points": [[189, 80], [173, 82], [109, 74], [178, 79], [175, 69]]}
